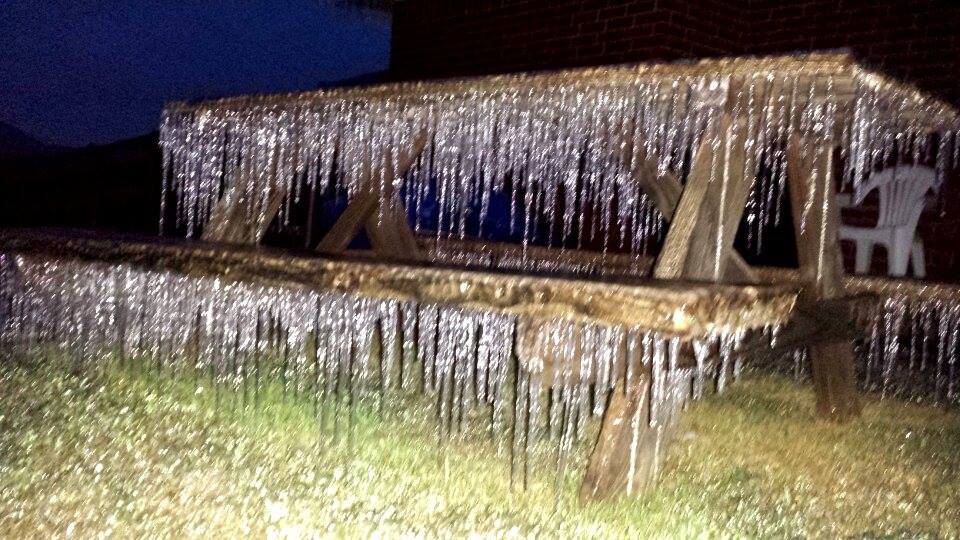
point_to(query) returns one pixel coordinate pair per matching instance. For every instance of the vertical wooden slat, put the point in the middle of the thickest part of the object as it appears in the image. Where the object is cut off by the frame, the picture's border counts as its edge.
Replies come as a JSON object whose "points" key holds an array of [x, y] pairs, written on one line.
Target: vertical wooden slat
{"points": [[816, 221]]}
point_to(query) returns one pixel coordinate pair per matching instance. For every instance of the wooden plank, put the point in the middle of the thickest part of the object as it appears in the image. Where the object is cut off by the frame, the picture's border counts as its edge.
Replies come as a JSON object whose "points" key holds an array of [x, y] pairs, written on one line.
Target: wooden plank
{"points": [[816, 222], [666, 191], [701, 234], [379, 211]]}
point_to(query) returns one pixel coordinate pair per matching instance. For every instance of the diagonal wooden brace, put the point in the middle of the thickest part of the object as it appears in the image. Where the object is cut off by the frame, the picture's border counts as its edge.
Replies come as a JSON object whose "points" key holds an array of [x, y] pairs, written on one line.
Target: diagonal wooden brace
{"points": [[699, 242], [666, 190], [243, 214], [379, 212]]}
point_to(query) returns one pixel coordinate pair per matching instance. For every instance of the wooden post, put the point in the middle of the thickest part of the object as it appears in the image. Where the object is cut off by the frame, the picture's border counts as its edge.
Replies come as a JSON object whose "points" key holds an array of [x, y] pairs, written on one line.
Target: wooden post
{"points": [[704, 216], [226, 211], [816, 220], [625, 458], [379, 212]]}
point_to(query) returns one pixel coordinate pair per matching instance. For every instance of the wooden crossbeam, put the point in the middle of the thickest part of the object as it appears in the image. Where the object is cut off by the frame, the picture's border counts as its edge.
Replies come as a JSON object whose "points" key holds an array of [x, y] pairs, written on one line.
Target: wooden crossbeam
{"points": [[825, 321], [379, 211]]}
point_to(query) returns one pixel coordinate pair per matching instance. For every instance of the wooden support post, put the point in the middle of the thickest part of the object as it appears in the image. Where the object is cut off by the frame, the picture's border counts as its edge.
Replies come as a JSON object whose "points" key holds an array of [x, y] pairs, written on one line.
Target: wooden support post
{"points": [[379, 212], [226, 212], [704, 216], [816, 220], [625, 458], [349, 223]]}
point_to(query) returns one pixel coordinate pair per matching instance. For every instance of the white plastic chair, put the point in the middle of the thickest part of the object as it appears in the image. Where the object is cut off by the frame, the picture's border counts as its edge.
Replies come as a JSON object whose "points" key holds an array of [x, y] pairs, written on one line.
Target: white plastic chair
{"points": [[903, 192]]}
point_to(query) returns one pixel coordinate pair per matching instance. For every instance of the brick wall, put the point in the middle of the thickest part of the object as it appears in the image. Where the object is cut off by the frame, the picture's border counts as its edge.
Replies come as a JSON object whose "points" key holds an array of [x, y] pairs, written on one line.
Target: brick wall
{"points": [[915, 39], [918, 40], [438, 38]]}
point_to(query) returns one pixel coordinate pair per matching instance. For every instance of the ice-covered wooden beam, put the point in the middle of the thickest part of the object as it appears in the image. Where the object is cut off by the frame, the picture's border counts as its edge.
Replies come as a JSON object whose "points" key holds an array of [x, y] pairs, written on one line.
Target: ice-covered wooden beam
{"points": [[682, 309], [910, 328], [621, 267], [558, 135], [850, 80]]}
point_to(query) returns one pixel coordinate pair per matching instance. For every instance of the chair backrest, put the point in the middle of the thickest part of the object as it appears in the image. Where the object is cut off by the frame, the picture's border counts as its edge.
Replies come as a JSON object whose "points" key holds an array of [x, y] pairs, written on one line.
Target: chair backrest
{"points": [[902, 191]]}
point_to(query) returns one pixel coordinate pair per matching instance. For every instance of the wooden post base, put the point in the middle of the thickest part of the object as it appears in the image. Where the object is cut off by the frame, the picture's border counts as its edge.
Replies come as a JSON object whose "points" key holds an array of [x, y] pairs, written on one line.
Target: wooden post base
{"points": [[834, 380], [811, 182], [626, 457]]}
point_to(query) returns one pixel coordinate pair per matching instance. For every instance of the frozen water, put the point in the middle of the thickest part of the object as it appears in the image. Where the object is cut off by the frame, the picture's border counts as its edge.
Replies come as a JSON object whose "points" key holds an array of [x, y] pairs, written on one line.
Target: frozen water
{"points": [[564, 151], [334, 347]]}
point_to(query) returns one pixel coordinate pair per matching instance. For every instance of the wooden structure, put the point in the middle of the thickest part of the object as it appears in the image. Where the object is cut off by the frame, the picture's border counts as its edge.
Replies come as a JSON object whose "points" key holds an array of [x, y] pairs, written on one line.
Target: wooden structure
{"points": [[683, 310], [704, 208]]}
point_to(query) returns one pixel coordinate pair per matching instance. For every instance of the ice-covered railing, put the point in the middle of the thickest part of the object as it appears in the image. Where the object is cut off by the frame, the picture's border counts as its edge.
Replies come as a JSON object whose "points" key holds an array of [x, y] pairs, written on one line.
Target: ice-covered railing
{"points": [[910, 348], [560, 145], [542, 355]]}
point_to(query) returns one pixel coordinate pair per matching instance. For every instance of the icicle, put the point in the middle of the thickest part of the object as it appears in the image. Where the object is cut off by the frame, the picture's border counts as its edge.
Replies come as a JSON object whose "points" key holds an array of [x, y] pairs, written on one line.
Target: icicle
{"points": [[893, 319]]}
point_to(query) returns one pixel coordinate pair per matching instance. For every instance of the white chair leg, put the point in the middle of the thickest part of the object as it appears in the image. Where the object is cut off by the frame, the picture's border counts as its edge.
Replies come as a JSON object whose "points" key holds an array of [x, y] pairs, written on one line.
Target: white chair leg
{"points": [[898, 256], [864, 252], [918, 259]]}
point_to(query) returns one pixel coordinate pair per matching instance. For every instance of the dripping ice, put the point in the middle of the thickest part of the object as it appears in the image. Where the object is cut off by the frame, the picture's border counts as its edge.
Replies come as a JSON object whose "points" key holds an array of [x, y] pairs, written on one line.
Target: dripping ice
{"points": [[554, 151], [318, 345]]}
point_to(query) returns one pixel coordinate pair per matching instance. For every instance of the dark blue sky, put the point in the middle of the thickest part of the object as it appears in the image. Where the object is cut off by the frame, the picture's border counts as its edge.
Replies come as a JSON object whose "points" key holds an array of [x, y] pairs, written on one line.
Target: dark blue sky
{"points": [[76, 72]]}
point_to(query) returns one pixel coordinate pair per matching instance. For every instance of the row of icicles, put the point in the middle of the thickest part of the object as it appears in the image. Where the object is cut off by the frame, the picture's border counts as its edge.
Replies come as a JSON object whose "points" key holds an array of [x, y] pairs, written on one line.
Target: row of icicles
{"points": [[910, 350], [334, 349], [558, 163]]}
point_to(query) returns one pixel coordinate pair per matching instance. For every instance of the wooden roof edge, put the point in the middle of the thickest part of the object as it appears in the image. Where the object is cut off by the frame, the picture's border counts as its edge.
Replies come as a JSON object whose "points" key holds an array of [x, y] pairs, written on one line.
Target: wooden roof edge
{"points": [[817, 62]]}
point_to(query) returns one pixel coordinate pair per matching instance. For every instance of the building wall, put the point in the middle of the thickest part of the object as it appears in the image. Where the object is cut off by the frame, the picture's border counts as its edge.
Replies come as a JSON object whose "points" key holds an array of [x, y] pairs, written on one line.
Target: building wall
{"points": [[915, 39], [918, 40], [439, 38]]}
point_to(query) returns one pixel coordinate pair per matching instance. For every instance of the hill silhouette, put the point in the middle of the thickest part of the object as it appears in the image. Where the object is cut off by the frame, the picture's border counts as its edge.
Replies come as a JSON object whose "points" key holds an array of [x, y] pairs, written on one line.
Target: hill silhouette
{"points": [[112, 187], [14, 143]]}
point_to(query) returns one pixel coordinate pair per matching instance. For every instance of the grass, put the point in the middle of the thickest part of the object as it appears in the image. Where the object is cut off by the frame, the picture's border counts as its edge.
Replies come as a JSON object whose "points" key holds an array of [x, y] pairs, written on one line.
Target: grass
{"points": [[107, 452]]}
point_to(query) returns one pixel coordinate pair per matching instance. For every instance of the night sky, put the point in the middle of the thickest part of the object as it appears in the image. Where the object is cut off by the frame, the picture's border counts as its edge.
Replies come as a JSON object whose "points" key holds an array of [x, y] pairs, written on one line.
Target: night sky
{"points": [[76, 72]]}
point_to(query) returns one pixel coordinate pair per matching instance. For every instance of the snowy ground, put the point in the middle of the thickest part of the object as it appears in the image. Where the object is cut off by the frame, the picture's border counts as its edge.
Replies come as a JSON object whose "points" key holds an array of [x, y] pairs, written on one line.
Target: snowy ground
{"points": [[113, 453]]}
